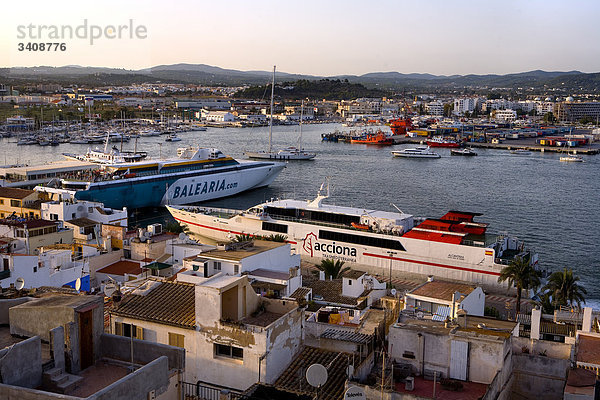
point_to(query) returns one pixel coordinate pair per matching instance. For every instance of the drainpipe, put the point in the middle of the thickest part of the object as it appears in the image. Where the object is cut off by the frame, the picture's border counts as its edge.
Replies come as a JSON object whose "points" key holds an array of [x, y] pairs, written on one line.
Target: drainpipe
{"points": [[422, 351], [260, 363]]}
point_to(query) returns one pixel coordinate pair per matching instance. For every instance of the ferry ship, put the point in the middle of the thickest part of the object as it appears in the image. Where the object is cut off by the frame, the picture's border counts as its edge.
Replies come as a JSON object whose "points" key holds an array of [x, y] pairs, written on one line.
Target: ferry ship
{"points": [[195, 175], [452, 247]]}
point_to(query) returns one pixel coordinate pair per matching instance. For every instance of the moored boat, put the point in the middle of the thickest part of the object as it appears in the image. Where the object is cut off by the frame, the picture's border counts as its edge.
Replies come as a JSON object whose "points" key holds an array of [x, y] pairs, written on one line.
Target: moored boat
{"points": [[454, 246], [195, 175], [378, 138], [439, 141], [467, 151], [417, 152]]}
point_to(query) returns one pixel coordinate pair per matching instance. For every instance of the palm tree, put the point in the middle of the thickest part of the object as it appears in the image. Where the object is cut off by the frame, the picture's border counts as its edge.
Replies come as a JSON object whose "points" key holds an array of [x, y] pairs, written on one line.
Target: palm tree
{"points": [[522, 274], [564, 289], [332, 268]]}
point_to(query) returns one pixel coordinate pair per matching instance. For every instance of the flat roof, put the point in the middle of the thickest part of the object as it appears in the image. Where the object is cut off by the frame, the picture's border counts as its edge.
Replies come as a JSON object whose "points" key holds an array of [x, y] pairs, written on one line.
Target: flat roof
{"points": [[267, 273], [259, 246], [220, 282], [121, 268], [53, 166], [442, 290], [588, 350]]}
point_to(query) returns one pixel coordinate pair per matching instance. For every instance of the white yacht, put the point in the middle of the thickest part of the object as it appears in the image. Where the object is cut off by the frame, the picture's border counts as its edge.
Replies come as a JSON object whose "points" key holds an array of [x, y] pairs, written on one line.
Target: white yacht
{"points": [[417, 152]]}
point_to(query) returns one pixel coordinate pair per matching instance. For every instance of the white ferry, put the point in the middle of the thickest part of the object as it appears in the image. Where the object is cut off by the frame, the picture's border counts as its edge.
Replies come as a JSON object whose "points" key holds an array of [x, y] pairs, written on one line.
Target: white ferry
{"points": [[452, 247]]}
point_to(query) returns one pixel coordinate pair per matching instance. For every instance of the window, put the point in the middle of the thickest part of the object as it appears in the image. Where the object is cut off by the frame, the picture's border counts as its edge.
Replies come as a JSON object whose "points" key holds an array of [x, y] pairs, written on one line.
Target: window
{"points": [[217, 265], [349, 282], [361, 239], [270, 226], [122, 329], [15, 203], [236, 269], [223, 350], [177, 340], [408, 354], [1, 201]]}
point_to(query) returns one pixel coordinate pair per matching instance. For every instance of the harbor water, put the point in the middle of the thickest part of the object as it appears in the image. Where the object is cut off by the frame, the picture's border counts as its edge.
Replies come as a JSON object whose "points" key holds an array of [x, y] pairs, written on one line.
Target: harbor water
{"points": [[553, 206]]}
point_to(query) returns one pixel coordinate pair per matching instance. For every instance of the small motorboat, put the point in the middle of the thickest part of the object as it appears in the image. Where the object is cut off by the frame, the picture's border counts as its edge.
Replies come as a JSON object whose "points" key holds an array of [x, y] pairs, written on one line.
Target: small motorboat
{"points": [[173, 138], [520, 152], [571, 158], [469, 152]]}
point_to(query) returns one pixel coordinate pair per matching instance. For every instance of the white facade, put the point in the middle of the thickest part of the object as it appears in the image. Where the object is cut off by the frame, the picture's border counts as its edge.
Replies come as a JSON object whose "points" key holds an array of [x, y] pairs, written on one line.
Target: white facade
{"points": [[49, 268], [434, 108], [63, 208], [465, 104], [505, 115], [472, 303], [224, 308], [218, 116]]}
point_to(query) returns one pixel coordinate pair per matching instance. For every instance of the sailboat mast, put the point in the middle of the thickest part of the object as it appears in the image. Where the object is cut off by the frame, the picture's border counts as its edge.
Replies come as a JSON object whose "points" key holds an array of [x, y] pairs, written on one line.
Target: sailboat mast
{"points": [[300, 137], [271, 118]]}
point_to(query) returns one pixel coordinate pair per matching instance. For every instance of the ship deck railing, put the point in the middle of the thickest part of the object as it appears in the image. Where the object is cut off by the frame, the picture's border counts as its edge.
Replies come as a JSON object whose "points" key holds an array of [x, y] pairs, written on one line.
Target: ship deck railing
{"points": [[329, 225]]}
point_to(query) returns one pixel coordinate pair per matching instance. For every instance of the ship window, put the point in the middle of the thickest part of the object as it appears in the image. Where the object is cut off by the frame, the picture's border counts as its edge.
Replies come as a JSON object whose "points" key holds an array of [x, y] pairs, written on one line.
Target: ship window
{"points": [[362, 240], [270, 226]]}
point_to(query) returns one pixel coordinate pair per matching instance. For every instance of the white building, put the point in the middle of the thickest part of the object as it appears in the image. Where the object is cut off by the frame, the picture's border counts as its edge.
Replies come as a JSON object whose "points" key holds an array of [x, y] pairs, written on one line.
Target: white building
{"points": [[464, 104], [434, 108], [63, 207], [232, 336], [49, 268], [445, 299], [505, 115], [218, 116]]}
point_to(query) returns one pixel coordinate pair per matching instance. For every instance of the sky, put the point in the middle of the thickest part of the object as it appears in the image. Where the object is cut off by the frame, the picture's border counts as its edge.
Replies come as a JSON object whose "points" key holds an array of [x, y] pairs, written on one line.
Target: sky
{"points": [[326, 38]]}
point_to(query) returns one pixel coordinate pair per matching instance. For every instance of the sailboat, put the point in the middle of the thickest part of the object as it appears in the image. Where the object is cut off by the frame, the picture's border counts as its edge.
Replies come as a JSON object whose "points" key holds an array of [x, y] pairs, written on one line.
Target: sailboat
{"points": [[290, 153]]}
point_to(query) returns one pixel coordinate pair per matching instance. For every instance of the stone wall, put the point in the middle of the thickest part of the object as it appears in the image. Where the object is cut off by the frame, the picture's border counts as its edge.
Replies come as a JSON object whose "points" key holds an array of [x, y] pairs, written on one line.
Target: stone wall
{"points": [[21, 364], [539, 377]]}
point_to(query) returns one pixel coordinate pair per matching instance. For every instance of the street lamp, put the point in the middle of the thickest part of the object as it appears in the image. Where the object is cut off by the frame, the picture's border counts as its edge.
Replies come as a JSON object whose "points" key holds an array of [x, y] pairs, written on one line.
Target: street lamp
{"points": [[391, 254]]}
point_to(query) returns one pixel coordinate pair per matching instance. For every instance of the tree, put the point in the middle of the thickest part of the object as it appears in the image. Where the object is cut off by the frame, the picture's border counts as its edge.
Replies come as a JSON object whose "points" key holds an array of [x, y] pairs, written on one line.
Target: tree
{"points": [[448, 108], [564, 289], [522, 274], [332, 268], [549, 117]]}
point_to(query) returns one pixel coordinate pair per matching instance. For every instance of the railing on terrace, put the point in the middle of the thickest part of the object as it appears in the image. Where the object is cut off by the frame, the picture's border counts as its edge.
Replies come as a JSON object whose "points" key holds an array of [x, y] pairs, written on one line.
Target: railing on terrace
{"points": [[205, 391]]}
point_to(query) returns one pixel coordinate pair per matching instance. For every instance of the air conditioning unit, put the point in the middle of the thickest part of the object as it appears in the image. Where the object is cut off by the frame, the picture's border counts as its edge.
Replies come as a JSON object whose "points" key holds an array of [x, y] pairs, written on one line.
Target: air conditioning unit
{"points": [[155, 229]]}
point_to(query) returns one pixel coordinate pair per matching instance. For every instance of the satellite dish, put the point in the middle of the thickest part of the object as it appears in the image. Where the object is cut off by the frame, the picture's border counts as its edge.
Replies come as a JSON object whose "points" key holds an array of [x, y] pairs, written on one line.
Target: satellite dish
{"points": [[110, 289], [316, 375], [350, 370], [78, 284], [20, 283], [355, 392], [393, 292]]}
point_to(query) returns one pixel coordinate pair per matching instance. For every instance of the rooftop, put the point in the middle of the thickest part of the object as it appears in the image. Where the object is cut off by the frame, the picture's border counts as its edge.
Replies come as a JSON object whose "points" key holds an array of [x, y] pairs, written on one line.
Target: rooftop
{"points": [[30, 223], [267, 273], [14, 193], [82, 222], [588, 349], [441, 290], [346, 336], [294, 379], [170, 303], [53, 299], [300, 293], [45, 168], [329, 291], [424, 389], [259, 246], [354, 274], [263, 319], [121, 268]]}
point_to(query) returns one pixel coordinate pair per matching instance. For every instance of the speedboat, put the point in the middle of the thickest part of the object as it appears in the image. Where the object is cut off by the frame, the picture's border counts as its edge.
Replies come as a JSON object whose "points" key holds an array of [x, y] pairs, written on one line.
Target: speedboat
{"points": [[571, 158], [520, 152], [469, 152], [417, 152], [173, 138]]}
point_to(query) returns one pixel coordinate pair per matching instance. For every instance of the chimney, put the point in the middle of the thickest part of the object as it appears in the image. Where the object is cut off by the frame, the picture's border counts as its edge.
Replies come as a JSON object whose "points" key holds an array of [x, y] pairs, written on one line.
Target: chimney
{"points": [[430, 278], [586, 326], [536, 317], [321, 275]]}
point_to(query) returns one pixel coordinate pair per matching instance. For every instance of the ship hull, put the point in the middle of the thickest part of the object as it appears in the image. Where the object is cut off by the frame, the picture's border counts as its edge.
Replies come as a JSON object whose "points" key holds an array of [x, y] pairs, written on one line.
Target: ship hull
{"points": [[406, 255], [181, 188]]}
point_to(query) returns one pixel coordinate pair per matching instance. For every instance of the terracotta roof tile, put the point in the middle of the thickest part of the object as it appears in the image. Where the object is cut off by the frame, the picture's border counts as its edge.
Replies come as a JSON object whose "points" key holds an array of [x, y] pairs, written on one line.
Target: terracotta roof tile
{"points": [[14, 193], [170, 303], [301, 293], [442, 290], [121, 268], [294, 377], [330, 291]]}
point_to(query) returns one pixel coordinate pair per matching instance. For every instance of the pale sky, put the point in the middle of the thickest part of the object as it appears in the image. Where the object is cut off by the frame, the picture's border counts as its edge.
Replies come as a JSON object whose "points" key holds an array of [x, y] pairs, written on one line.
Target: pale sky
{"points": [[319, 37]]}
